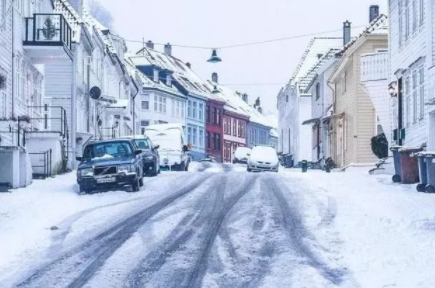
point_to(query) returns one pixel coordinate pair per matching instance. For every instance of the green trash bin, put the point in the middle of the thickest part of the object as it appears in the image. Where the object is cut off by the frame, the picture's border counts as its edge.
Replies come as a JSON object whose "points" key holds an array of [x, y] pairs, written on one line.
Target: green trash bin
{"points": [[422, 171], [397, 178], [430, 162], [304, 166], [409, 165]]}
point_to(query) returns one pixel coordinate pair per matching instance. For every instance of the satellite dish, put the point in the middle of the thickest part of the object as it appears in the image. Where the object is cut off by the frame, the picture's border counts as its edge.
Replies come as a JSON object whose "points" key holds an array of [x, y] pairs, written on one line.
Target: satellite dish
{"points": [[95, 93]]}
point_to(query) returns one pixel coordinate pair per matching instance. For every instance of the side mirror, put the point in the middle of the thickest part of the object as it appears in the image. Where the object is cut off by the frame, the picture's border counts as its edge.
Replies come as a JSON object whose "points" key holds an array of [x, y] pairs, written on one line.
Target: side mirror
{"points": [[185, 148], [79, 159], [137, 152], [157, 147]]}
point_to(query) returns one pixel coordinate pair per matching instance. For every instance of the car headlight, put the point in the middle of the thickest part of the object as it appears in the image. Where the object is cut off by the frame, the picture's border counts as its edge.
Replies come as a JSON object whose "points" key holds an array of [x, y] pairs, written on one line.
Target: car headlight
{"points": [[149, 158], [125, 168], [86, 172]]}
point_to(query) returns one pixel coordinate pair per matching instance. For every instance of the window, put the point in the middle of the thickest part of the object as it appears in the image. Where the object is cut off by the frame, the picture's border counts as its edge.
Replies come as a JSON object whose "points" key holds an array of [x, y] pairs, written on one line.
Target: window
{"points": [[189, 135], [318, 91], [201, 138], [207, 140], [414, 15], [144, 123], [414, 95], [226, 125], [422, 90], [407, 19], [408, 101], [189, 109], [160, 104], [217, 142], [421, 12], [194, 136], [201, 111], [155, 103], [194, 116], [145, 105], [183, 106], [173, 107], [234, 127], [207, 113]]}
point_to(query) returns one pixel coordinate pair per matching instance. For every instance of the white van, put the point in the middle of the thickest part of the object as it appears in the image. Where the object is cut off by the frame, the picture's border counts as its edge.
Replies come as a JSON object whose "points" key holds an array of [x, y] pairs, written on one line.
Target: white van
{"points": [[173, 148]]}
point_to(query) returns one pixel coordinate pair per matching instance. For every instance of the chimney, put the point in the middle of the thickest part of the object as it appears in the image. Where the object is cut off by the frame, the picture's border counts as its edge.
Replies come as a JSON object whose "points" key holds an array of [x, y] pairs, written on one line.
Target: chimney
{"points": [[346, 32], [259, 109], [214, 77], [373, 12], [189, 65], [245, 97], [319, 56], [168, 49], [257, 102], [150, 44]]}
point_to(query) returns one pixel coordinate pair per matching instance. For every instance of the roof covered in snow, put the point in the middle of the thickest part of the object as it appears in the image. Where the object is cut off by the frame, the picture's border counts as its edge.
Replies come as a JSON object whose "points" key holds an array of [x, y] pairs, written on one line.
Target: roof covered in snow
{"points": [[378, 26], [132, 61], [317, 46], [179, 70]]}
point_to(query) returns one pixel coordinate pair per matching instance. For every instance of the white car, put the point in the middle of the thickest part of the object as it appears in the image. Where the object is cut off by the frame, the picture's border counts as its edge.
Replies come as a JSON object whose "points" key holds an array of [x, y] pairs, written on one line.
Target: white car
{"points": [[242, 155], [263, 158]]}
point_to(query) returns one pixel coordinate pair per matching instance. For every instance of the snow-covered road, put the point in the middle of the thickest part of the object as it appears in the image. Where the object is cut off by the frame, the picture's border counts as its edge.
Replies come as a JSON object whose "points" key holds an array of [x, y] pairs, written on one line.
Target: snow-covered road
{"points": [[216, 226]]}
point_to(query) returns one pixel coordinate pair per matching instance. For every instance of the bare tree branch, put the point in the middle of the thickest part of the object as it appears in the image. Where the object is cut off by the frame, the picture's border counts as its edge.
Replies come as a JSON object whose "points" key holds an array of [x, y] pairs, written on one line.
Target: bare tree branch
{"points": [[99, 12]]}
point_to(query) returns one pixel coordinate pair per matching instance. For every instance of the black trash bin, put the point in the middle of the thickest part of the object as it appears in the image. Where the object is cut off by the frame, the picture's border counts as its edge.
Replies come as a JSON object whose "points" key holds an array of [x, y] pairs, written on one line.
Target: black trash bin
{"points": [[422, 170], [304, 166], [430, 163], [397, 164]]}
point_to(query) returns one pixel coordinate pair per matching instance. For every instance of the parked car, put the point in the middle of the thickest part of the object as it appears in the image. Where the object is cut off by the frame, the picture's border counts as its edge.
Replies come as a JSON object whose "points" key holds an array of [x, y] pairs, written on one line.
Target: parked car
{"points": [[263, 158], [110, 164], [241, 155], [150, 154], [209, 159], [173, 149]]}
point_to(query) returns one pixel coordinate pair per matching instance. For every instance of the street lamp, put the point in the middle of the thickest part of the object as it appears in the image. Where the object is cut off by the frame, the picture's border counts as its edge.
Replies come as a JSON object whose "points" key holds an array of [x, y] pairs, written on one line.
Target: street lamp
{"points": [[214, 58]]}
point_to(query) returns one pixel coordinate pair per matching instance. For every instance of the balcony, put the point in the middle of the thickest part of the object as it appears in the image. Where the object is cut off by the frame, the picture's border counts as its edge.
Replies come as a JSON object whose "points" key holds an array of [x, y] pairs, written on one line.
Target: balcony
{"points": [[48, 36], [374, 67]]}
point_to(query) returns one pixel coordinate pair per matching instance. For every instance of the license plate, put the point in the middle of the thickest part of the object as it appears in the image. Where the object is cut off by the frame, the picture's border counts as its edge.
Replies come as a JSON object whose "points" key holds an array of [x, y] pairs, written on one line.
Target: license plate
{"points": [[106, 180], [164, 168]]}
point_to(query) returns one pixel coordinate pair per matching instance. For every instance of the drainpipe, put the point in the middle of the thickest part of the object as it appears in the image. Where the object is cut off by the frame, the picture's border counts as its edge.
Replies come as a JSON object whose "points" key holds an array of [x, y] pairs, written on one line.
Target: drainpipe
{"points": [[333, 105], [13, 56], [73, 124], [134, 106]]}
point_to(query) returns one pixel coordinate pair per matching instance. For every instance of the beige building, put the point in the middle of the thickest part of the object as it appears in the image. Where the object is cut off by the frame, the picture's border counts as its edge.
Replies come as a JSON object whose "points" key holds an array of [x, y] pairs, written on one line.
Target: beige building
{"points": [[354, 121]]}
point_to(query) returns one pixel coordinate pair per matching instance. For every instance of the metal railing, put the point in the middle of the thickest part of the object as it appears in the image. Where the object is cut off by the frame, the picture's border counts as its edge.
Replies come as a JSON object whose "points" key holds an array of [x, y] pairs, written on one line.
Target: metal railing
{"points": [[48, 30], [54, 119], [44, 170]]}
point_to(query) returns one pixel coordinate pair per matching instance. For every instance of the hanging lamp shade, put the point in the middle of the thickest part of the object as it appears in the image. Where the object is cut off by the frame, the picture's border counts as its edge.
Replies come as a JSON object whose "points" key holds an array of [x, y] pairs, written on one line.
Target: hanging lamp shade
{"points": [[214, 58], [215, 90]]}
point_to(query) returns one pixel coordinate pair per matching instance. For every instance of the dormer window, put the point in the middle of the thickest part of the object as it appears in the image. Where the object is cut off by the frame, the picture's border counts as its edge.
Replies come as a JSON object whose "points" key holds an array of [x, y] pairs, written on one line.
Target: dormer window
{"points": [[156, 75], [169, 80]]}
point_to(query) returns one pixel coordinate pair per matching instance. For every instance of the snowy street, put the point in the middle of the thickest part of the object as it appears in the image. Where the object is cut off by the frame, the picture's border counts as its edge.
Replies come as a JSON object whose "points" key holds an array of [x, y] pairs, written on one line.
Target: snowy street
{"points": [[219, 226]]}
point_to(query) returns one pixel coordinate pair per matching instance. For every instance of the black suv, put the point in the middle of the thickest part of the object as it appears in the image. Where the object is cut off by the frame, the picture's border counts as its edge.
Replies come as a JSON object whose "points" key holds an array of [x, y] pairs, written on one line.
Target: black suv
{"points": [[150, 154], [110, 164]]}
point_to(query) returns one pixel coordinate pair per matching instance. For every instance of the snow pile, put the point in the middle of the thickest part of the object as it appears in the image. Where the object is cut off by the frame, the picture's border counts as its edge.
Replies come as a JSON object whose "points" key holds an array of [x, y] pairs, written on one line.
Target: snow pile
{"points": [[384, 232]]}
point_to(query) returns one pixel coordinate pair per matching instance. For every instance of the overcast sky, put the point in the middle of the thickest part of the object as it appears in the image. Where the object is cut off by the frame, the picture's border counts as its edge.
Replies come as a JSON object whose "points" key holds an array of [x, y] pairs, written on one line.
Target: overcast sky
{"points": [[227, 22]]}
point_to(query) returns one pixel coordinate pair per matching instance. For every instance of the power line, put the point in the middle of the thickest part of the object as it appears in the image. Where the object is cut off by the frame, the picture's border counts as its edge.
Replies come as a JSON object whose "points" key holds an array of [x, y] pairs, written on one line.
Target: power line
{"points": [[248, 43]]}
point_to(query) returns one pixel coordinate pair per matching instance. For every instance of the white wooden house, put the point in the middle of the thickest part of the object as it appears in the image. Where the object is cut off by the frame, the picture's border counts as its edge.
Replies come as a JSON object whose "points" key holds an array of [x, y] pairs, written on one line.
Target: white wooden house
{"points": [[294, 104], [412, 72]]}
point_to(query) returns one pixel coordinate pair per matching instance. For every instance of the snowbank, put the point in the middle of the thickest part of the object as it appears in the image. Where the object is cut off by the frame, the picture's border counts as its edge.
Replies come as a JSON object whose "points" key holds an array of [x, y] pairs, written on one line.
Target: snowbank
{"points": [[386, 231]]}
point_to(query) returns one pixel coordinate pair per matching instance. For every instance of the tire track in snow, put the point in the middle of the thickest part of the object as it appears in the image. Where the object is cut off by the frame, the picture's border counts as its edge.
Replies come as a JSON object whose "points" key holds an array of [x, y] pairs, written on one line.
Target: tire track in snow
{"points": [[192, 244], [296, 232], [91, 256]]}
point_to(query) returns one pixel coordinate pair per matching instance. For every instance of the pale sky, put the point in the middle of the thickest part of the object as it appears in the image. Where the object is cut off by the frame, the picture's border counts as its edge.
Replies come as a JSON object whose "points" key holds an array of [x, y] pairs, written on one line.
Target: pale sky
{"points": [[227, 22]]}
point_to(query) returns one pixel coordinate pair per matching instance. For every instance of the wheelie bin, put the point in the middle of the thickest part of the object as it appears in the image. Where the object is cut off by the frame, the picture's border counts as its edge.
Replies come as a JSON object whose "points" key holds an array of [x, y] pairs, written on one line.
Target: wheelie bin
{"points": [[397, 164], [422, 172], [409, 167], [430, 162], [304, 166]]}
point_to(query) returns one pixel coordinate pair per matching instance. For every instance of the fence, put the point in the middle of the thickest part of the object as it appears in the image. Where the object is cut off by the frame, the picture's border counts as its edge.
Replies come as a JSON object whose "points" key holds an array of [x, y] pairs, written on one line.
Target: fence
{"points": [[44, 170]]}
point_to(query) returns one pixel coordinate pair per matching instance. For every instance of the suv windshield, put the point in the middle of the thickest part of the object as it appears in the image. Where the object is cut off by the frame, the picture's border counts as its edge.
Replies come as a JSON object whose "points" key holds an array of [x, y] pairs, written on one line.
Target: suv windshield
{"points": [[142, 143], [107, 150]]}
